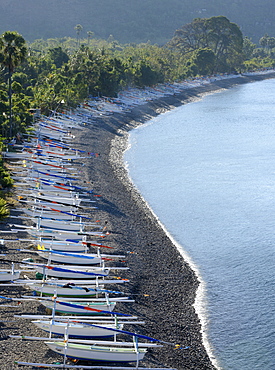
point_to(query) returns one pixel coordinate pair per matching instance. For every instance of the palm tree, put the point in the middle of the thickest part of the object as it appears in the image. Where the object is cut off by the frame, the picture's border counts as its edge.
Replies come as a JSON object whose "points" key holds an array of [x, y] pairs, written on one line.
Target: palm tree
{"points": [[90, 35], [13, 51], [78, 29]]}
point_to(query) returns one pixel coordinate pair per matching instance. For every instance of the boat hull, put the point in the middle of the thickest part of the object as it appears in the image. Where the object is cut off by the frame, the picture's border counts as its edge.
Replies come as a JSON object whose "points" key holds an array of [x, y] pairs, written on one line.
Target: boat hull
{"points": [[76, 274], [104, 306], [71, 260], [8, 275], [76, 330], [51, 290], [97, 353]]}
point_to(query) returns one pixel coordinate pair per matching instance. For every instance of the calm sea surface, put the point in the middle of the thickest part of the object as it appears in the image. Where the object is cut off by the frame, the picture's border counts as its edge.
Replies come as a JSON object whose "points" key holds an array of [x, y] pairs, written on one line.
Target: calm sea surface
{"points": [[207, 169]]}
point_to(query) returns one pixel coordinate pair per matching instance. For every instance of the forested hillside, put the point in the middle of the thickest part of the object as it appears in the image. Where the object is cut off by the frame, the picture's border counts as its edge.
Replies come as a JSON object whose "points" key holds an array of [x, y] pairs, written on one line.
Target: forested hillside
{"points": [[130, 21]]}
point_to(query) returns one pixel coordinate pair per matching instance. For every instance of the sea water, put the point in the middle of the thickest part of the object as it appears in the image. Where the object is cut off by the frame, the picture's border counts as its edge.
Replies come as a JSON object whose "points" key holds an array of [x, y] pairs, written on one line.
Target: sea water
{"points": [[207, 170]]}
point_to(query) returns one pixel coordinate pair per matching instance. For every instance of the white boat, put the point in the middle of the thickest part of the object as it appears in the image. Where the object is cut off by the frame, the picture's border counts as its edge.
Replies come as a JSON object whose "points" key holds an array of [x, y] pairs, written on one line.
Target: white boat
{"points": [[16, 155], [9, 274], [66, 201], [67, 290], [36, 212], [71, 258], [76, 258], [61, 246], [70, 272], [50, 205], [97, 352], [59, 234], [45, 222], [79, 308], [51, 191], [77, 329]]}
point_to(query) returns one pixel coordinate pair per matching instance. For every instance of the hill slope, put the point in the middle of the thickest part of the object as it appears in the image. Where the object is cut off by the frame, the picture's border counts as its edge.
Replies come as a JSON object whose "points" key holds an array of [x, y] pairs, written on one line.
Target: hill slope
{"points": [[130, 20]]}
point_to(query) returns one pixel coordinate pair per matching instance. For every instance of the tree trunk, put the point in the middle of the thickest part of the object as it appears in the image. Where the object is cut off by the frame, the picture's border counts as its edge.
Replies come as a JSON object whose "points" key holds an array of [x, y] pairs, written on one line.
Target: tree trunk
{"points": [[10, 104]]}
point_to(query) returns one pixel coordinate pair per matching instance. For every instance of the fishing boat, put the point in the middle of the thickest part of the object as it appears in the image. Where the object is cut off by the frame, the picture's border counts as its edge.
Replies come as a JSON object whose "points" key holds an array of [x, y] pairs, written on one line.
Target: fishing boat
{"points": [[79, 308], [45, 222], [57, 233], [76, 329], [65, 200], [66, 290], [61, 245], [9, 274], [80, 289], [94, 352], [70, 272], [16, 155], [75, 258], [50, 205], [43, 212]]}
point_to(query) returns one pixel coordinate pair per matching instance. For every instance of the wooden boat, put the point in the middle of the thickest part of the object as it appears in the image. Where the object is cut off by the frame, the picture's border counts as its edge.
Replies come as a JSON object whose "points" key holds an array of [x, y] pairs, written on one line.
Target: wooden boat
{"points": [[51, 287], [58, 234], [96, 352], [75, 201], [61, 246], [77, 329], [79, 308], [67, 290], [76, 258], [85, 308], [70, 272], [52, 213], [45, 222], [50, 205], [9, 274], [16, 155]]}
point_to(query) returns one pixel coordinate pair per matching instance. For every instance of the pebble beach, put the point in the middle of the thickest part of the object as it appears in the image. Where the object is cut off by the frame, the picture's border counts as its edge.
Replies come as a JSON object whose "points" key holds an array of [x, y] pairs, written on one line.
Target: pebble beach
{"points": [[161, 282]]}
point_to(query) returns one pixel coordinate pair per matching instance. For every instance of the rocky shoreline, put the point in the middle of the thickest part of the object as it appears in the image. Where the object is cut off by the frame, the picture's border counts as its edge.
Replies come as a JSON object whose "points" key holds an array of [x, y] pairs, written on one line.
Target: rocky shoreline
{"points": [[163, 285]]}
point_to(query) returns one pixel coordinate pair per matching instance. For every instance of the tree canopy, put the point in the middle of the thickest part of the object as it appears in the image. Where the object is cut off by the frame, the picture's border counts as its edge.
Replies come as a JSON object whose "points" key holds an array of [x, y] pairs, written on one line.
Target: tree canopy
{"points": [[13, 51], [220, 35]]}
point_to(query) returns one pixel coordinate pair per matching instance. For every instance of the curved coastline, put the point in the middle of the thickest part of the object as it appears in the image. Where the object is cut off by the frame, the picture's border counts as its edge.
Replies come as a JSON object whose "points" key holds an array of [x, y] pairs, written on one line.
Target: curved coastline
{"points": [[163, 281], [129, 204]]}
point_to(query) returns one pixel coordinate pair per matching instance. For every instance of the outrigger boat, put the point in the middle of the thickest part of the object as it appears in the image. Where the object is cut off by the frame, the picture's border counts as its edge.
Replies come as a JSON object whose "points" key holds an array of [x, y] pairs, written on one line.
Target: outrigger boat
{"points": [[57, 234], [40, 212], [82, 307], [69, 289], [48, 205], [46, 222], [70, 272], [107, 351], [65, 246], [74, 258], [76, 201], [92, 307], [9, 274], [76, 328]]}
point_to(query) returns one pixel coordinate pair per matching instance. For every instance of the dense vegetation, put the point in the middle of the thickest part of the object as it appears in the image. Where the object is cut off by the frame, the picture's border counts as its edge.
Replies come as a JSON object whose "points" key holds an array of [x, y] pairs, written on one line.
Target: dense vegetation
{"points": [[59, 73], [129, 20]]}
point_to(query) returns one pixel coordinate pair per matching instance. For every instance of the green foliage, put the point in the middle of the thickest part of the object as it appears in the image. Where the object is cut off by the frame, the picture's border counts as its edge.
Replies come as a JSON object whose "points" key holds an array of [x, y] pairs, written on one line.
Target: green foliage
{"points": [[5, 180], [12, 53], [255, 64], [58, 56], [4, 209], [12, 49], [217, 34], [248, 48], [60, 72], [204, 60]]}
